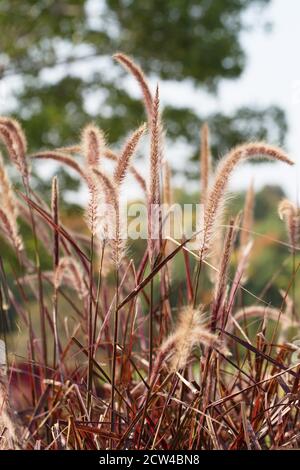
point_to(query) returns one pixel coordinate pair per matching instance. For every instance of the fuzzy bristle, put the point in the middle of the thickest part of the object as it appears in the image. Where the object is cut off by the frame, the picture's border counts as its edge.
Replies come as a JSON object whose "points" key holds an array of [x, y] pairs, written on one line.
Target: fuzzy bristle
{"points": [[10, 230], [115, 224], [92, 144], [127, 153], [138, 74], [8, 200], [191, 330], [215, 199], [220, 288], [154, 185], [14, 139], [110, 155], [290, 213]]}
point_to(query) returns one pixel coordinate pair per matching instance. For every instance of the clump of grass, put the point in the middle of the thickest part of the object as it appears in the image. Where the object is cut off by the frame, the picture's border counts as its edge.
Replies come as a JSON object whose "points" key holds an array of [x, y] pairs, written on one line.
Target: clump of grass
{"points": [[132, 367]]}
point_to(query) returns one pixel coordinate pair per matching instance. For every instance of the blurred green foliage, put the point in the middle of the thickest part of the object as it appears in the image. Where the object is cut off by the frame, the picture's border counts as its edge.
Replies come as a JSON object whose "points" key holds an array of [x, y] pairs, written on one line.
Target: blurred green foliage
{"points": [[60, 52]]}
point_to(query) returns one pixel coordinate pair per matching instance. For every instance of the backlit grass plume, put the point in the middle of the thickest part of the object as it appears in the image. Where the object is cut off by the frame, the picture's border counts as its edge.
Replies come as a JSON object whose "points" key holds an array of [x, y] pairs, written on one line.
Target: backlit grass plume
{"points": [[10, 231], [138, 74], [92, 144], [216, 195], [247, 220], [14, 139], [62, 158], [154, 222], [9, 210], [7, 195], [123, 163], [218, 308], [191, 330], [110, 155], [155, 129], [114, 227], [290, 213]]}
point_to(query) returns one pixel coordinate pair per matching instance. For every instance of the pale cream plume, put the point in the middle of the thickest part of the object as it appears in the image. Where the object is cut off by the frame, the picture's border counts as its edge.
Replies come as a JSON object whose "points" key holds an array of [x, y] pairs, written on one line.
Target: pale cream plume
{"points": [[290, 213], [154, 185], [216, 196], [10, 231], [127, 153], [114, 230], [8, 200], [14, 139], [221, 284], [191, 330], [9, 210], [138, 74], [92, 144]]}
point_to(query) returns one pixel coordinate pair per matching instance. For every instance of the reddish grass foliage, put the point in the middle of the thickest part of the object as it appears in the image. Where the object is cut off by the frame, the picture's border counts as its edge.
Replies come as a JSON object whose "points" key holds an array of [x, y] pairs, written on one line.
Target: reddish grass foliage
{"points": [[113, 362]]}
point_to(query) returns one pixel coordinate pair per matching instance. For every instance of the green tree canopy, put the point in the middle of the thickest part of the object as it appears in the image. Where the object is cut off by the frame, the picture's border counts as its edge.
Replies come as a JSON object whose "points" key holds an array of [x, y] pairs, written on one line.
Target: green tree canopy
{"points": [[61, 54]]}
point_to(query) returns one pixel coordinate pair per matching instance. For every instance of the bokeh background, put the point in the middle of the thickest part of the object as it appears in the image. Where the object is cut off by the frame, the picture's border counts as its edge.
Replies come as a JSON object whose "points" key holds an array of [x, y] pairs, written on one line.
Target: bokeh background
{"points": [[233, 64]]}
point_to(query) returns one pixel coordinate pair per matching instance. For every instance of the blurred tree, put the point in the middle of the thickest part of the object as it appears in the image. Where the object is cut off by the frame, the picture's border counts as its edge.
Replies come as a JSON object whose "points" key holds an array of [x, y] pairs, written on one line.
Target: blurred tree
{"points": [[60, 53]]}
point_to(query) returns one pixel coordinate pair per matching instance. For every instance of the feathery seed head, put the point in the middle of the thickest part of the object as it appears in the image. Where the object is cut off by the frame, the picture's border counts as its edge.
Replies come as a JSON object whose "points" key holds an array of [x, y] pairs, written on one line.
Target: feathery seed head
{"points": [[14, 139], [54, 195], [10, 230], [167, 189], [110, 155], [138, 74], [8, 200], [92, 144], [290, 213], [127, 154], [115, 224], [215, 199], [191, 330]]}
